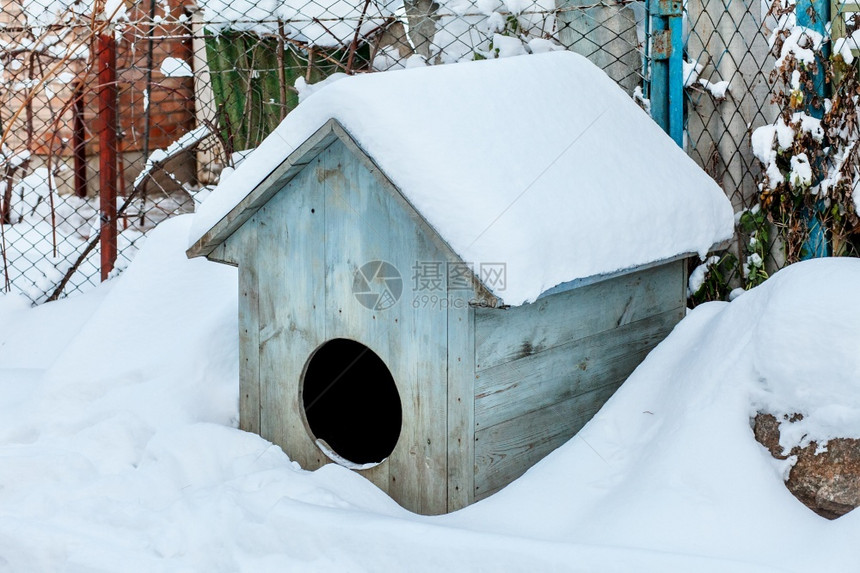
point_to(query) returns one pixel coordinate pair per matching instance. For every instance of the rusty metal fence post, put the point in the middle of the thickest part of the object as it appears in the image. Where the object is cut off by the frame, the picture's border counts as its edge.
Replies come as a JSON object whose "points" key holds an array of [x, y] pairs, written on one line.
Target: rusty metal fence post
{"points": [[107, 95]]}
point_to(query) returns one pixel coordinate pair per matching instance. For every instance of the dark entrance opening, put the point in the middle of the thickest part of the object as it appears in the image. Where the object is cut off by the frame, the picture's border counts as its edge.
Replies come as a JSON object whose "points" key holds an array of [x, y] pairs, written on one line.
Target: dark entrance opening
{"points": [[351, 402]]}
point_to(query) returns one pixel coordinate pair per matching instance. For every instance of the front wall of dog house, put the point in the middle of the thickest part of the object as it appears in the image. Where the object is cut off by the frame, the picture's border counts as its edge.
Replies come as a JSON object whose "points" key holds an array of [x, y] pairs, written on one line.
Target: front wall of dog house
{"points": [[297, 257]]}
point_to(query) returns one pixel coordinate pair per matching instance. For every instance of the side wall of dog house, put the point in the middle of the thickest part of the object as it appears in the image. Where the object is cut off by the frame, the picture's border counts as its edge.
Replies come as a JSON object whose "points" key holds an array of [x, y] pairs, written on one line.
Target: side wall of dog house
{"points": [[544, 369], [298, 257]]}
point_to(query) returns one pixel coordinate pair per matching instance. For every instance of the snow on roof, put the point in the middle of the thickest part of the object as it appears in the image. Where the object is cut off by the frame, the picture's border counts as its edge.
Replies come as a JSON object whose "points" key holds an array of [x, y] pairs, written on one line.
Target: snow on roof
{"points": [[540, 162]]}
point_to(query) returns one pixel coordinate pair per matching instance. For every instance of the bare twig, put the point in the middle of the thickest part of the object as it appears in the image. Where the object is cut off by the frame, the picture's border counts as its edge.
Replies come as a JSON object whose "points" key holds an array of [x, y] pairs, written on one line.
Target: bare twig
{"points": [[282, 77], [6, 282], [354, 45]]}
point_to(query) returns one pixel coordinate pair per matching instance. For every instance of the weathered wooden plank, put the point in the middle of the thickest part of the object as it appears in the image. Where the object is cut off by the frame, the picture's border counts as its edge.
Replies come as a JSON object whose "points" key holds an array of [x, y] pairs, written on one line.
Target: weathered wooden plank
{"points": [[249, 331], [224, 254], [425, 340], [506, 335], [290, 240], [461, 403], [270, 256], [356, 232], [515, 388], [505, 451], [606, 34]]}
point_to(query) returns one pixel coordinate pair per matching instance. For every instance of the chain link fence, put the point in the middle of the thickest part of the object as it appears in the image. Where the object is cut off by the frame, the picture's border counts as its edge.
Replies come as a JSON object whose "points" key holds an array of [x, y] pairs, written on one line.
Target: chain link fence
{"points": [[123, 114], [728, 88], [736, 82]]}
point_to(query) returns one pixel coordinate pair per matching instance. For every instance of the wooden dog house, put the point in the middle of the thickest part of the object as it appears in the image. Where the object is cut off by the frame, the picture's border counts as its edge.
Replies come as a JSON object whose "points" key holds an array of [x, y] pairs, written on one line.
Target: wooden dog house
{"points": [[379, 327]]}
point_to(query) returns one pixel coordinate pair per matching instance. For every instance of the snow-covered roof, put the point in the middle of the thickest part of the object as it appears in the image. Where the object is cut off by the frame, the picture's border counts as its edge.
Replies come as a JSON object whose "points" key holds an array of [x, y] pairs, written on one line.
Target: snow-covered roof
{"points": [[540, 162]]}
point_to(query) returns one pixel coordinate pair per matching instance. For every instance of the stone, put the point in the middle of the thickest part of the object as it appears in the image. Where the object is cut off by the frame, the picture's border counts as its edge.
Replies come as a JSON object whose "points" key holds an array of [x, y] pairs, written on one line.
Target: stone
{"points": [[827, 482]]}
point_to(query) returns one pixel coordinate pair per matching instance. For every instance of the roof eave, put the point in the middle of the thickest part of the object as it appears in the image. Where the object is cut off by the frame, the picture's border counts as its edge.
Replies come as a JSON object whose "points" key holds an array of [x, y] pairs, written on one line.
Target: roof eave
{"points": [[265, 190], [584, 281]]}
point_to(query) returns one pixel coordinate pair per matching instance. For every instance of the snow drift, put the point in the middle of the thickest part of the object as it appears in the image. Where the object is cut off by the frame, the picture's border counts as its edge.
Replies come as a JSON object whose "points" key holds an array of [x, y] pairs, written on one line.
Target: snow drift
{"points": [[119, 450]]}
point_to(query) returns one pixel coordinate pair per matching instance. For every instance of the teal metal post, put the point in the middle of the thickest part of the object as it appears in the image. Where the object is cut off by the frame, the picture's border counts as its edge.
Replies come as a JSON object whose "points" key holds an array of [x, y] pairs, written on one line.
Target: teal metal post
{"points": [[815, 15], [666, 50]]}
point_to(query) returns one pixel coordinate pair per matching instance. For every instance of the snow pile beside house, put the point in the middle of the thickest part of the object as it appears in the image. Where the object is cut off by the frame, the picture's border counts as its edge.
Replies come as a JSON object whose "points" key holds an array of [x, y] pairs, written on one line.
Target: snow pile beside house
{"points": [[120, 453], [807, 353], [540, 162]]}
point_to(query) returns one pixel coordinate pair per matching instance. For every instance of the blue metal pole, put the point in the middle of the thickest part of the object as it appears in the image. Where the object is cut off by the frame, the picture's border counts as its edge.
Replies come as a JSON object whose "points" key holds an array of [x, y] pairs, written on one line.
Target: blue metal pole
{"points": [[676, 80], [666, 51], [659, 71], [815, 15]]}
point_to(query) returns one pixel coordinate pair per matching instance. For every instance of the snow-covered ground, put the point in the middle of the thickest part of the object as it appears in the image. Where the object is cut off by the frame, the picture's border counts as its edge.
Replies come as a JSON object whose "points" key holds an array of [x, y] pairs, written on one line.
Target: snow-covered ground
{"points": [[119, 452]]}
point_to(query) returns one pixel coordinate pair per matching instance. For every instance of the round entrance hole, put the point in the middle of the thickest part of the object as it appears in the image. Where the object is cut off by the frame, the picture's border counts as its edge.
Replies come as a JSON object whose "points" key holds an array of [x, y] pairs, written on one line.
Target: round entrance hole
{"points": [[351, 403]]}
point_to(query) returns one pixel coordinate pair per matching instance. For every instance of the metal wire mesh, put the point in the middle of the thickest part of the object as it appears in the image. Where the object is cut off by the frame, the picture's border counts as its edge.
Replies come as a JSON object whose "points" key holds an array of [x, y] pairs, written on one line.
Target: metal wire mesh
{"points": [[734, 85], [729, 40], [198, 83]]}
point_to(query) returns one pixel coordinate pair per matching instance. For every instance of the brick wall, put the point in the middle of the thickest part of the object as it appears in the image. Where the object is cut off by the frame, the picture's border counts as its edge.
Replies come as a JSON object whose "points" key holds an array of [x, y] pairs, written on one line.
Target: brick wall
{"points": [[45, 121], [171, 99]]}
